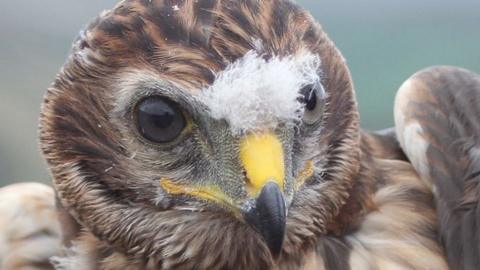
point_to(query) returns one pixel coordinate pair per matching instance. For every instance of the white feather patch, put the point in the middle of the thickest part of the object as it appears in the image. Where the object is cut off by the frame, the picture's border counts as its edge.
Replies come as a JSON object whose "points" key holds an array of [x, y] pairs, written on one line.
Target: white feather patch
{"points": [[255, 94]]}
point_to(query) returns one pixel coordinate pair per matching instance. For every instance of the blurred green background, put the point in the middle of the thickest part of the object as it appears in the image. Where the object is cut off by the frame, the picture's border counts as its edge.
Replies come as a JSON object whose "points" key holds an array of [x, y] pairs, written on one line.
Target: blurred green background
{"points": [[384, 42]]}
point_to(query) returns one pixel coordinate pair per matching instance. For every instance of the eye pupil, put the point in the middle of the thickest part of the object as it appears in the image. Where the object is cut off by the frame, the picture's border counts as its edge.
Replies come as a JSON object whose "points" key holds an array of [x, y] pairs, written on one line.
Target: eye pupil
{"points": [[311, 100], [159, 119], [163, 120]]}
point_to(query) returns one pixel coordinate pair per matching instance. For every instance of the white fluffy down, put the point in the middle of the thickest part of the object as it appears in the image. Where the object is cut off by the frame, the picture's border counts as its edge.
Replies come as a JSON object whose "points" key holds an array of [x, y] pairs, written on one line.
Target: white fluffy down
{"points": [[255, 94]]}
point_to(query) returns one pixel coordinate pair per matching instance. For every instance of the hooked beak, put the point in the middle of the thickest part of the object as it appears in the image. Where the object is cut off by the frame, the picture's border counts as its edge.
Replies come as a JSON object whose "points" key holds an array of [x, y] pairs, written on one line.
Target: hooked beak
{"points": [[263, 160], [262, 157], [268, 217]]}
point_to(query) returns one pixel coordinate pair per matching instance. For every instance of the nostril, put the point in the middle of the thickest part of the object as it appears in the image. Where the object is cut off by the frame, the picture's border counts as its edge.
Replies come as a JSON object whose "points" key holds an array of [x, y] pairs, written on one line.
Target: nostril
{"points": [[245, 176], [248, 184]]}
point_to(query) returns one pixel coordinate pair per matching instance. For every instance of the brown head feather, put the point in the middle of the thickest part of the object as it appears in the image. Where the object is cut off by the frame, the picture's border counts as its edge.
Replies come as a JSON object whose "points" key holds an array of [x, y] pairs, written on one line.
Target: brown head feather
{"points": [[105, 188]]}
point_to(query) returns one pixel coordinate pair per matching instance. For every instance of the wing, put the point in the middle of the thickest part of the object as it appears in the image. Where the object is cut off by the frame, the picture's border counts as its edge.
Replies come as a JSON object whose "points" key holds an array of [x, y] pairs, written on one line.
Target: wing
{"points": [[29, 231], [437, 118]]}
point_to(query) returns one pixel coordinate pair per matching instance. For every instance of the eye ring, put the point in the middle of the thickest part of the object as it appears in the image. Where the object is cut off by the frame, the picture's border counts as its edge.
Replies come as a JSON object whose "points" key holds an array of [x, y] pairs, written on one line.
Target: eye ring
{"points": [[159, 120], [313, 97]]}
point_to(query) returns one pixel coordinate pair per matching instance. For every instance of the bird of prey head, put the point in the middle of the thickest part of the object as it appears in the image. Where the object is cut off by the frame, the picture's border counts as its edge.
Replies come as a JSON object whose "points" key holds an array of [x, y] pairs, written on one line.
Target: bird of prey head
{"points": [[203, 133]]}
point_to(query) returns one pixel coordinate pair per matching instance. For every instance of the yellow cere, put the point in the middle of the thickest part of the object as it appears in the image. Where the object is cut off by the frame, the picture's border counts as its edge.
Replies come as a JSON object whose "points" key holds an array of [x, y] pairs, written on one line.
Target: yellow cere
{"points": [[262, 157], [209, 193]]}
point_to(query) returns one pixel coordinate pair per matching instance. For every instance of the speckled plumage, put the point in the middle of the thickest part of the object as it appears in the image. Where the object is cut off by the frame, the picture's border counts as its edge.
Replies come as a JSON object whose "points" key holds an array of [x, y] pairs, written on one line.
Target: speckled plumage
{"points": [[363, 207]]}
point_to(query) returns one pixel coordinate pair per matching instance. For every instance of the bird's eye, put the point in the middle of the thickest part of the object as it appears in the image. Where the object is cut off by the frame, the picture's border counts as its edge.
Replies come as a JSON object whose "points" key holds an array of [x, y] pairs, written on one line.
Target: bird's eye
{"points": [[313, 97], [159, 119]]}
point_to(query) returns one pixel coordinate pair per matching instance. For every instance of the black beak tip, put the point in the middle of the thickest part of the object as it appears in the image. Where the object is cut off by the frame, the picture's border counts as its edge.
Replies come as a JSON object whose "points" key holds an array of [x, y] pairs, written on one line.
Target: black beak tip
{"points": [[268, 217]]}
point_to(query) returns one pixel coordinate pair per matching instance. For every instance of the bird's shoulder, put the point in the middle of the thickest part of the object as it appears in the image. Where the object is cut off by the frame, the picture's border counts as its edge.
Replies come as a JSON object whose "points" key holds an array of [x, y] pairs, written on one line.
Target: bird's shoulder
{"points": [[437, 124], [389, 222]]}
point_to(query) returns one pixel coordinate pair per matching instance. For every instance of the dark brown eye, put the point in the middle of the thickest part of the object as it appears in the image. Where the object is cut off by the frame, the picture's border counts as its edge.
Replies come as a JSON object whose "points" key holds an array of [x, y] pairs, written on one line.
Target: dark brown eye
{"points": [[313, 96], [159, 119]]}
